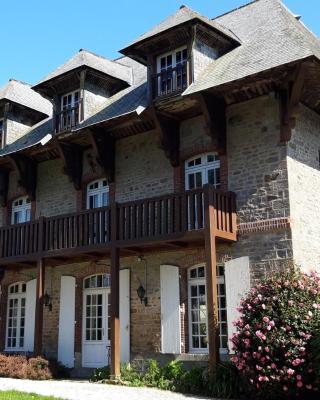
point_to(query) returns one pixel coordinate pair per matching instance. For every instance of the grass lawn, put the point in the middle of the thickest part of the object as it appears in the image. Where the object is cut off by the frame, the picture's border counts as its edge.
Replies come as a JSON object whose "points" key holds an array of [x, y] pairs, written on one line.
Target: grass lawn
{"points": [[13, 395]]}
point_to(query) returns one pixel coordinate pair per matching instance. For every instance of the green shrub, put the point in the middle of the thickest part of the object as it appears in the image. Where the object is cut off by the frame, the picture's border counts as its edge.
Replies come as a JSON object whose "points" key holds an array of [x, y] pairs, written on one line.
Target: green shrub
{"points": [[224, 382], [193, 381], [130, 376], [100, 374]]}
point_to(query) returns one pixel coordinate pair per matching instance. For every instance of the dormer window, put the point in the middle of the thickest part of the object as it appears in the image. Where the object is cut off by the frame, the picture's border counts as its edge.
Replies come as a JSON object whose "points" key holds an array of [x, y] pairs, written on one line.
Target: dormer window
{"points": [[172, 72], [69, 115], [21, 210]]}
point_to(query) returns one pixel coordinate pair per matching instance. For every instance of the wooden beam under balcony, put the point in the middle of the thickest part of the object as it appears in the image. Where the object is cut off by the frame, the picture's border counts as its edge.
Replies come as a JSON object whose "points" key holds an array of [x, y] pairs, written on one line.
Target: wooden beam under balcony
{"points": [[26, 169], [104, 147], [71, 155], [169, 131], [290, 96], [214, 112]]}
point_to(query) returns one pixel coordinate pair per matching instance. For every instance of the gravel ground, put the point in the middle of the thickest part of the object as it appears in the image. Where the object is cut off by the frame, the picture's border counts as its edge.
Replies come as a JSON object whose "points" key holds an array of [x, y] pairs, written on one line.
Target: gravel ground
{"points": [[73, 390]]}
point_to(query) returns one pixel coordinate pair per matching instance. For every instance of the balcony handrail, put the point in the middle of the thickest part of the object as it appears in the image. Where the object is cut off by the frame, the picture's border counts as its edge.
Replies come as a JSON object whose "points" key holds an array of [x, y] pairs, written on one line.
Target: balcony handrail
{"points": [[154, 218], [74, 114], [171, 75]]}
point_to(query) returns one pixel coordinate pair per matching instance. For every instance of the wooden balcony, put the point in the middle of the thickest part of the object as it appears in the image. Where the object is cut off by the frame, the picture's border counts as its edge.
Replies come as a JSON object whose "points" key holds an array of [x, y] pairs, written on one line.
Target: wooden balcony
{"points": [[68, 118], [171, 81], [172, 220]]}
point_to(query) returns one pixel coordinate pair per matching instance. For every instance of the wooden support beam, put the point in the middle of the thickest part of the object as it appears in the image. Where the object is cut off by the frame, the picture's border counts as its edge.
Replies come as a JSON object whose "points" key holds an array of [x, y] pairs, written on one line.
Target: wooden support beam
{"points": [[115, 292], [169, 131], [82, 79], [72, 158], [26, 169], [104, 147], [289, 96], [39, 307], [211, 274], [214, 112], [4, 184]]}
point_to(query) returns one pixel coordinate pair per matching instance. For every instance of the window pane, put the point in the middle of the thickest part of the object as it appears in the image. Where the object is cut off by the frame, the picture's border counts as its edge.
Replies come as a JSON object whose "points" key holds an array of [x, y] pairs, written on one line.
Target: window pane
{"points": [[191, 181], [198, 179]]}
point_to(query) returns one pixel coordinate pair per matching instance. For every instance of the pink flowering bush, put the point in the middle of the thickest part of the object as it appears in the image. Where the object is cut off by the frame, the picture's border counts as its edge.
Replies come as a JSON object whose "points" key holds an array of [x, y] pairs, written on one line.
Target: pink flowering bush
{"points": [[279, 318]]}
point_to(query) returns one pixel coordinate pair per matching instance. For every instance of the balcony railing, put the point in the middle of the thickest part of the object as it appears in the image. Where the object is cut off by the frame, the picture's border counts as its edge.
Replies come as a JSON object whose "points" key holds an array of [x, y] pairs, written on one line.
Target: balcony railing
{"points": [[68, 118], [164, 218], [170, 81]]}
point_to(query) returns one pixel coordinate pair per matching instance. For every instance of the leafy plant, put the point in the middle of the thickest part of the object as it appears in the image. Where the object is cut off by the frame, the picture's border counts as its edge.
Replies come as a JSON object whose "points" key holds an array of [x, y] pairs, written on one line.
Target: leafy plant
{"points": [[192, 381], [100, 374], [279, 318], [224, 382]]}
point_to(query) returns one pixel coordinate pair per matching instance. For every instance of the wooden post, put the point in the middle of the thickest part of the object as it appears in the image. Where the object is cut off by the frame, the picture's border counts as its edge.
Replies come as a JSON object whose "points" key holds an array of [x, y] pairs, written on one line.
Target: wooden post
{"points": [[211, 274], [39, 307], [115, 308]]}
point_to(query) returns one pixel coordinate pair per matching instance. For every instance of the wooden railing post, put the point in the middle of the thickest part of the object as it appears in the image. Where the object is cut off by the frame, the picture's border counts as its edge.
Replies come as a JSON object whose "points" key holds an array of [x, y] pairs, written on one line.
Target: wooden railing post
{"points": [[233, 213], [115, 309], [41, 235], [211, 275]]}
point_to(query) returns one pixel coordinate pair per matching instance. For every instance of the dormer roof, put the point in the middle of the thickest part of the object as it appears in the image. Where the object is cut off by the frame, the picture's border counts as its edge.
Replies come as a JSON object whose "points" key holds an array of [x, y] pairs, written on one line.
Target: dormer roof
{"points": [[21, 93], [183, 16], [87, 59]]}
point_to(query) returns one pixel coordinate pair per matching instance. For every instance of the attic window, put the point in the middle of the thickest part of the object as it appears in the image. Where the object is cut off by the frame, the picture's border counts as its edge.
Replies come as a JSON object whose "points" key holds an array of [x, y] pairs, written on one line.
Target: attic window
{"points": [[171, 74]]}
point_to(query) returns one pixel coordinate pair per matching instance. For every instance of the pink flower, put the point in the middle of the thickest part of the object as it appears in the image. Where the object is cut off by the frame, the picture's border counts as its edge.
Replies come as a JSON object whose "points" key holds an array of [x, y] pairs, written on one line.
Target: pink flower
{"points": [[290, 302], [265, 319], [299, 384], [290, 372], [299, 377], [273, 366], [309, 387], [296, 362], [285, 388], [267, 350]]}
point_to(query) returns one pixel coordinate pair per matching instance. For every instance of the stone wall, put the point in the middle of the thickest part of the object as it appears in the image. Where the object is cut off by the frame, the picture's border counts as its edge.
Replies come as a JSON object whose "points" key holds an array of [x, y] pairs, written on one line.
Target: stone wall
{"points": [[142, 169], [304, 189], [55, 193], [202, 56], [94, 96], [16, 127]]}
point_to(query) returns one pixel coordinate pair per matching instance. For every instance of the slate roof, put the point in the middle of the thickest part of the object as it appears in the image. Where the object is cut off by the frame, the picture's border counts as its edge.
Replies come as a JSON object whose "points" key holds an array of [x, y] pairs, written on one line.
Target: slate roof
{"points": [[85, 58], [22, 93], [39, 134], [270, 36], [124, 102], [183, 15]]}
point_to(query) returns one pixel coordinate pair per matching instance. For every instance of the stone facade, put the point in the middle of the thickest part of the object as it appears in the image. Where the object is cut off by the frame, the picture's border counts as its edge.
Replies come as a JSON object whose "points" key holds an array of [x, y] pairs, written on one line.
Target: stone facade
{"points": [[202, 56], [55, 193], [304, 189], [94, 96], [17, 126]]}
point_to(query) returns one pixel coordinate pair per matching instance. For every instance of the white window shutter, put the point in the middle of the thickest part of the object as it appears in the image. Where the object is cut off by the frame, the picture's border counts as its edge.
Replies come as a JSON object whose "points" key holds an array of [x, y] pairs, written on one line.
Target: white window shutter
{"points": [[125, 316], [237, 280], [170, 310], [67, 321], [30, 314]]}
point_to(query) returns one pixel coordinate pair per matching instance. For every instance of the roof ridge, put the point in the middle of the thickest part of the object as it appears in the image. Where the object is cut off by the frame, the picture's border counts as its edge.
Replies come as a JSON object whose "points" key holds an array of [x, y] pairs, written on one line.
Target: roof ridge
{"points": [[18, 81], [235, 9], [94, 54]]}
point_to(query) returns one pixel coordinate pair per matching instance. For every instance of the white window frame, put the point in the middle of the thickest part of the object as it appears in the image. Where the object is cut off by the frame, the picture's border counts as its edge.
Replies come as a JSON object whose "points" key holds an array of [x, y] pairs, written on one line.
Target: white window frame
{"points": [[19, 295], [21, 205], [73, 102], [101, 188], [173, 65], [202, 281], [202, 166]]}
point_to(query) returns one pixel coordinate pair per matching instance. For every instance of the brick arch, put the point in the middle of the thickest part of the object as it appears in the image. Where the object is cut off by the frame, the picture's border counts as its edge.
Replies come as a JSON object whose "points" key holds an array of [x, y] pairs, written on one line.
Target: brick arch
{"points": [[179, 171]]}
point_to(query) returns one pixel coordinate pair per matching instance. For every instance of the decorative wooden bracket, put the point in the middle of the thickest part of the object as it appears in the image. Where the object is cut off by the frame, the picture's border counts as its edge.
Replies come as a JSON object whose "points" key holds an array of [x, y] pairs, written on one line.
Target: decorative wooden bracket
{"points": [[169, 130], [72, 158], [104, 146], [27, 173], [290, 96], [4, 184], [214, 112]]}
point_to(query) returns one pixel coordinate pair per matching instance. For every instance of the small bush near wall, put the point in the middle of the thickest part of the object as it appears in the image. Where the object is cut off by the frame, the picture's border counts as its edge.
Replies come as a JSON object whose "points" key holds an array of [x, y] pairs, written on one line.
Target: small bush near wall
{"points": [[223, 382], [21, 367], [273, 342]]}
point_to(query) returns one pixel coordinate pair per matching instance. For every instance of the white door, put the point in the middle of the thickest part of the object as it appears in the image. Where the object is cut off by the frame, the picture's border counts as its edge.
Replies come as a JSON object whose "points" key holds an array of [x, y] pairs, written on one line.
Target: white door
{"points": [[96, 332]]}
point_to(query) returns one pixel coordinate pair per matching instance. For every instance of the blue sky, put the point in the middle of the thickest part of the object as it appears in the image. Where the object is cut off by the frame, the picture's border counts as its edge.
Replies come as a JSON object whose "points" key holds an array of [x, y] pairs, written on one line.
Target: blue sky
{"points": [[42, 34]]}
